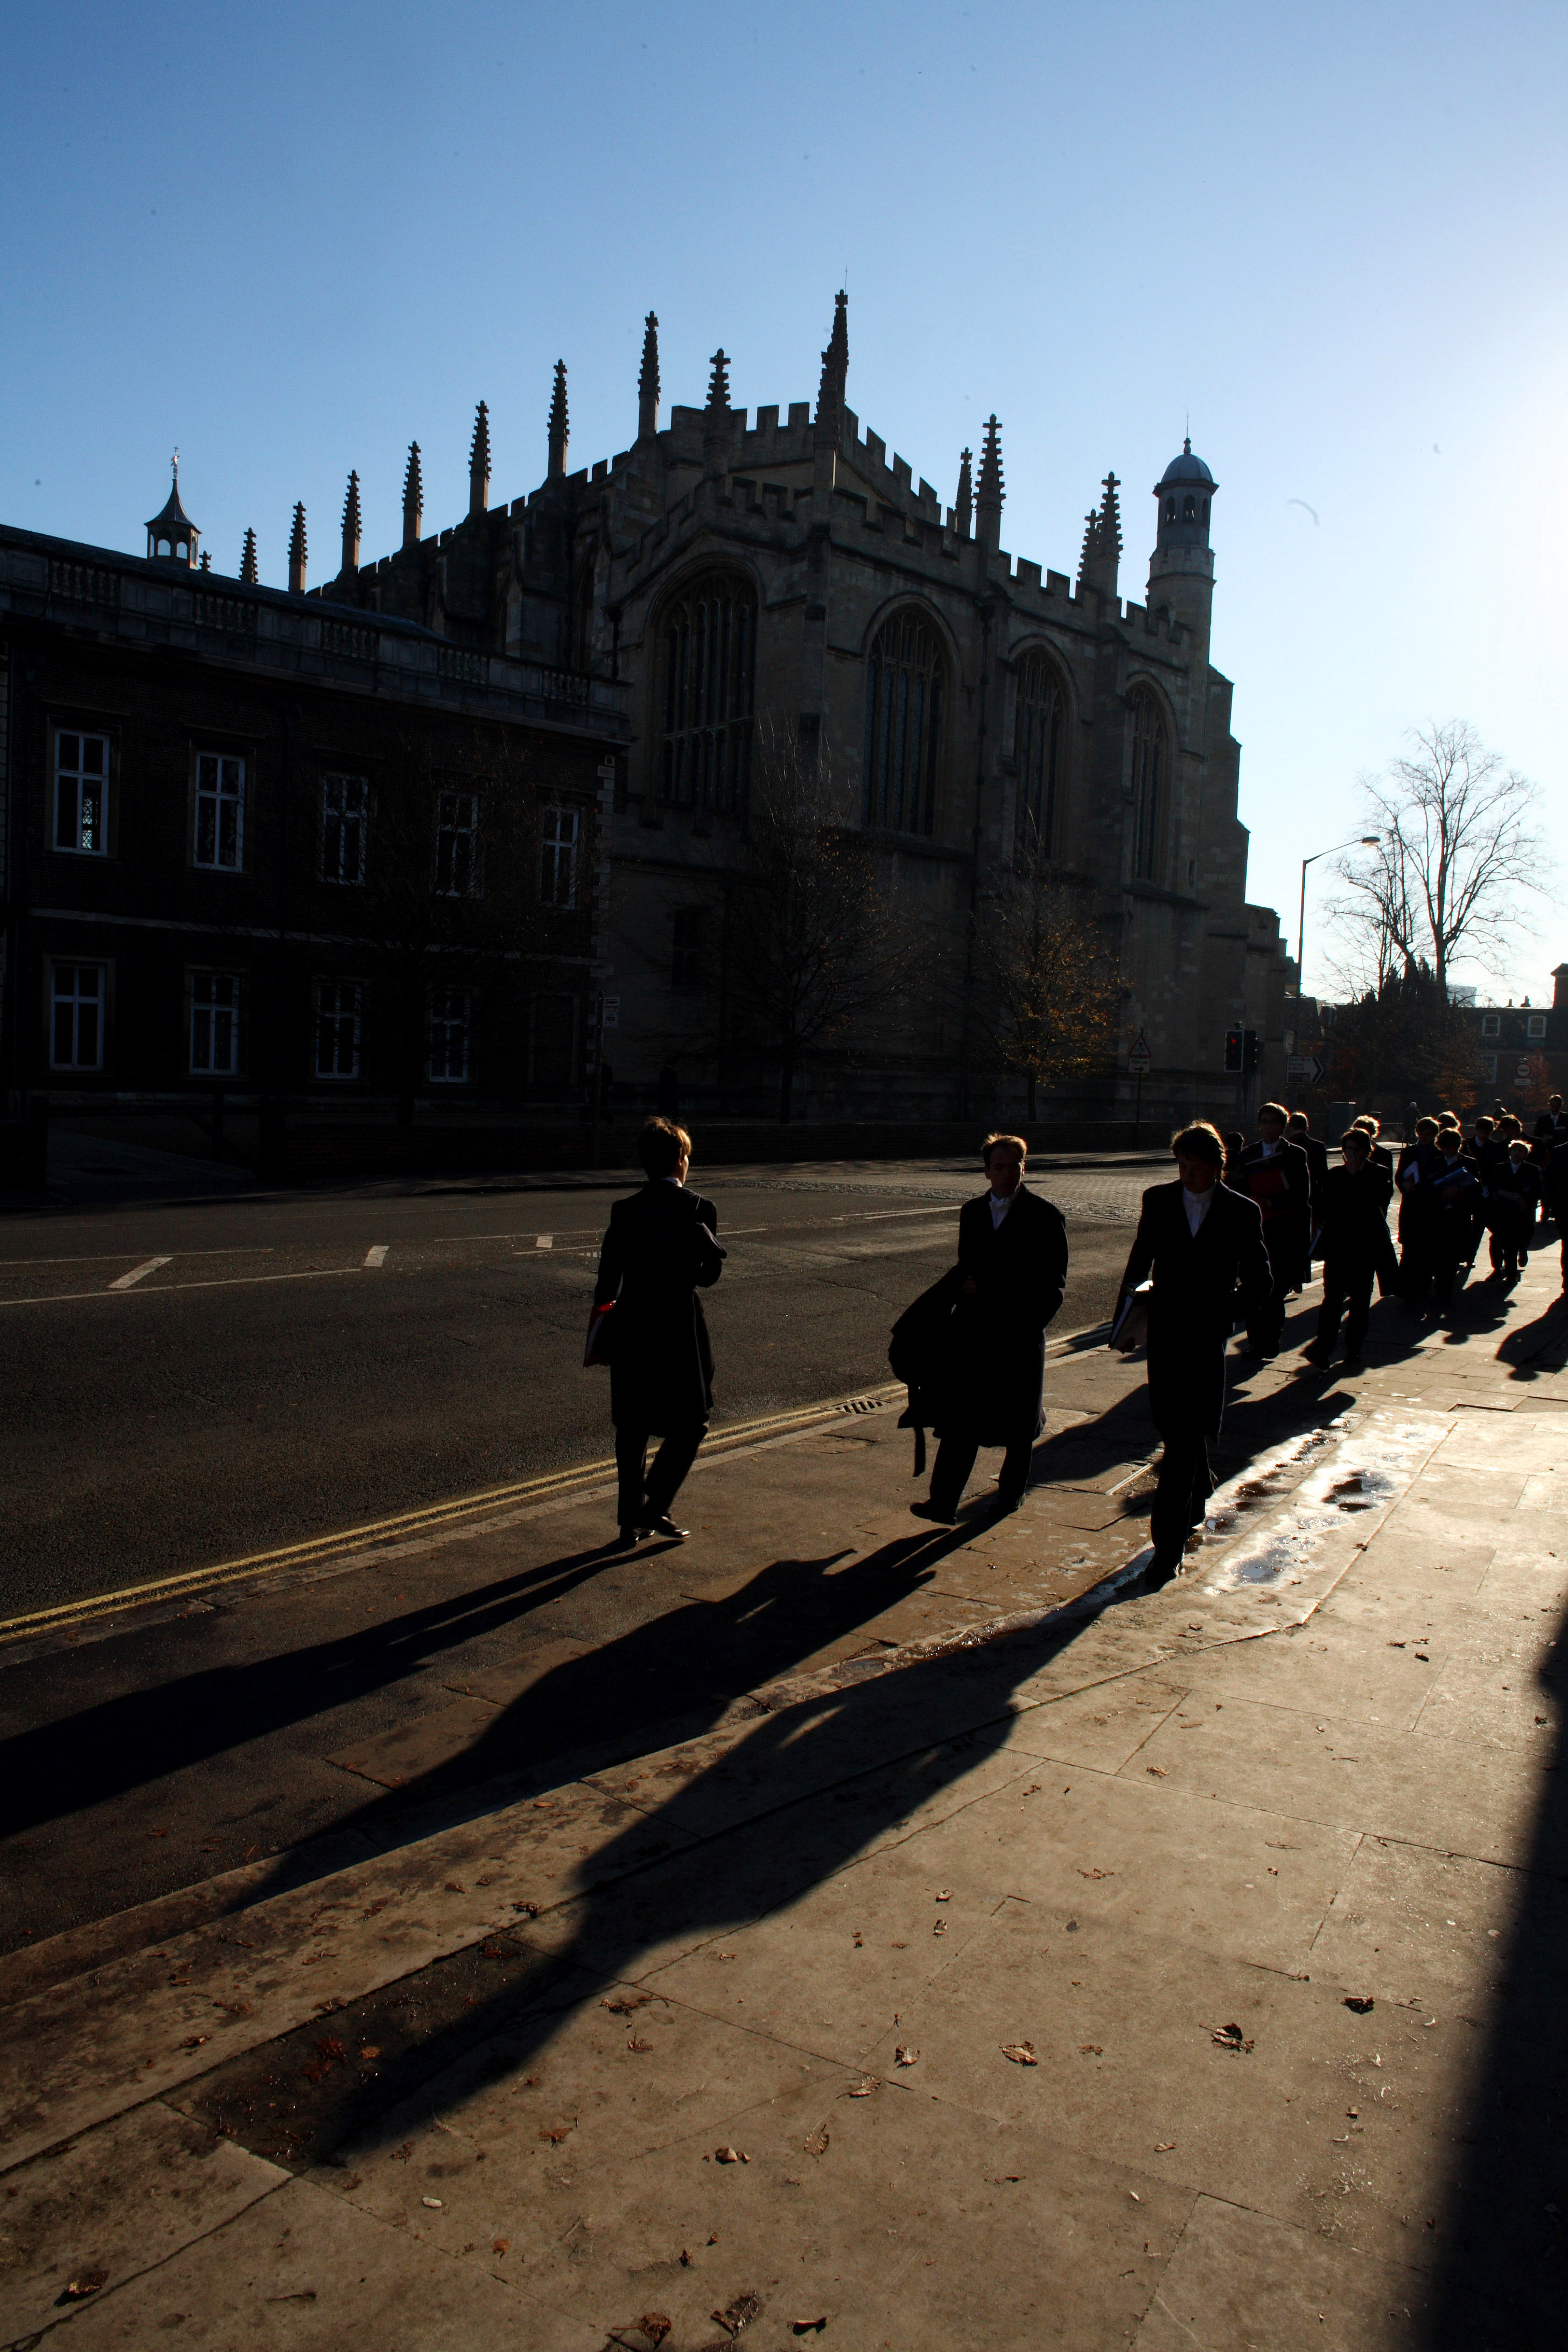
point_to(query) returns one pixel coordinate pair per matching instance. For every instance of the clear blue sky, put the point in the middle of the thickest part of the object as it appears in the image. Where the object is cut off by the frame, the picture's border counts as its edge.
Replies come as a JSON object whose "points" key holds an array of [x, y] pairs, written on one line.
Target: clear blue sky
{"points": [[292, 239]]}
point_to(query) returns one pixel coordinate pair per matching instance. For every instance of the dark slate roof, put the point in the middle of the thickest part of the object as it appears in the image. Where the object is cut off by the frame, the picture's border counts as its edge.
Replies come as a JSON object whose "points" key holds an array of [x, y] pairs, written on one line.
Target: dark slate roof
{"points": [[1186, 469], [174, 519]]}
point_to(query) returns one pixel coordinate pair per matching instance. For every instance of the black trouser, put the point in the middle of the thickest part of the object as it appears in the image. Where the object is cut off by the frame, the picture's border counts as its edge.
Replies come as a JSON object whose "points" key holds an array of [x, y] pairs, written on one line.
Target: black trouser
{"points": [[1387, 1267], [1344, 1281], [1447, 1257], [1266, 1327], [955, 1460], [1182, 1496], [643, 1498]]}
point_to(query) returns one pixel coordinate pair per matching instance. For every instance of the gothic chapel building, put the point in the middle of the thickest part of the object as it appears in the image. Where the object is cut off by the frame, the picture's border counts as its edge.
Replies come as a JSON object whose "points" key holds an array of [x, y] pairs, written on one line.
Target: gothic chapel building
{"points": [[737, 572]]}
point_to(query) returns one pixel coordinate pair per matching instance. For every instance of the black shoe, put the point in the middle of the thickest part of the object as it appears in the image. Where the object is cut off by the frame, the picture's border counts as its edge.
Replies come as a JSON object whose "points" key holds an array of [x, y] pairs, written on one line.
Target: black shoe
{"points": [[1318, 1354], [1162, 1569], [937, 1511], [665, 1528], [630, 1539], [1001, 1505]]}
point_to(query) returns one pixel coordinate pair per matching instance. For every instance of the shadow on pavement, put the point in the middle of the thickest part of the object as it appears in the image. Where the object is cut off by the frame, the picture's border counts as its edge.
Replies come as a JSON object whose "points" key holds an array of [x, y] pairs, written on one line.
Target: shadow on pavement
{"points": [[873, 1751], [1505, 2229]]}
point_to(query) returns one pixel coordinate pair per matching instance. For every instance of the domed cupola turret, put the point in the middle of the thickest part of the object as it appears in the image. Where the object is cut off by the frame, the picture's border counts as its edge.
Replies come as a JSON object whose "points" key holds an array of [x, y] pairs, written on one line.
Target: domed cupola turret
{"points": [[172, 536], [1181, 569]]}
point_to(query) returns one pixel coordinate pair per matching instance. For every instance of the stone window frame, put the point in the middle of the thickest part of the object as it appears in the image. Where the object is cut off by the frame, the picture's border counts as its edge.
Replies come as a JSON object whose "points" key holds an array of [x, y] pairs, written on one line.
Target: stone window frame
{"points": [[705, 689], [449, 1025], [102, 1000], [80, 732], [894, 755], [338, 1011], [1042, 659], [1150, 780], [214, 977], [344, 824]]}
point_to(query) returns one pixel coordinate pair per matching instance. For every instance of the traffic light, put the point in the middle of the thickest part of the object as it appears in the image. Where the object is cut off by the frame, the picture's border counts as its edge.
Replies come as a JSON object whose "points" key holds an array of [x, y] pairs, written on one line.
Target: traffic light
{"points": [[1240, 1052]]}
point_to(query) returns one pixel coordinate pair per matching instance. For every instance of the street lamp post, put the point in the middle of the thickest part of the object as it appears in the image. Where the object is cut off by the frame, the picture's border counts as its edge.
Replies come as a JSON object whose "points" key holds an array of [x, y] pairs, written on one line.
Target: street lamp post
{"points": [[1366, 841]]}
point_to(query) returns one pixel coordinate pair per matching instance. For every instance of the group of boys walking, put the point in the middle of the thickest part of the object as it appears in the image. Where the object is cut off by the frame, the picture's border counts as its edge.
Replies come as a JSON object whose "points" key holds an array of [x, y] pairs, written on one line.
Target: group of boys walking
{"points": [[1232, 1235]]}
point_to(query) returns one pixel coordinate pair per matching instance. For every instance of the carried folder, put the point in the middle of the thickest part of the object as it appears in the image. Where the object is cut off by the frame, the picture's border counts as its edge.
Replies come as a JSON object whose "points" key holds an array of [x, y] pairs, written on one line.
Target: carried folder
{"points": [[1130, 1331]]}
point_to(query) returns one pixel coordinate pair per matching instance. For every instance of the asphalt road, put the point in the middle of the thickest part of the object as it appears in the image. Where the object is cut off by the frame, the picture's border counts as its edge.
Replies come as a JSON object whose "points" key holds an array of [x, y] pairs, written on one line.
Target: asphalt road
{"points": [[185, 1380]]}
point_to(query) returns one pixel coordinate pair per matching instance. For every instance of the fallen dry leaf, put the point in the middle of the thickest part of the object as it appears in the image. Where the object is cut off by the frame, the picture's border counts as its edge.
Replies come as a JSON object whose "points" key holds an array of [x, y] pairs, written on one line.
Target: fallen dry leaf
{"points": [[939, 1927], [530, 1908], [859, 1941], [370, 2050], [499, 2245], [655, 2326], [455, 1886], [194, 2041], [686, 2258], [1022, 2053], [817, 2144], [556, 2133], [943, 1895], [624, 2003], [904, 2056], [730, 2156], [639, 2044], [85, 2283], [1091, 2050], [1095, 1874], [1229, 2037], [808, 2327], [1158, 1770], [1359, 2002], [433, 2202], [863, 2088], [1163, 2147], [737, 2314]]}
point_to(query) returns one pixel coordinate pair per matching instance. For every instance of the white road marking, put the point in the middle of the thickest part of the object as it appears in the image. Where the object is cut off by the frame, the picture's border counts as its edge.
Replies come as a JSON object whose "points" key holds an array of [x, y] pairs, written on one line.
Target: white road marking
{"points": [[544, 1241], [139, 1272], [377, 1254]]}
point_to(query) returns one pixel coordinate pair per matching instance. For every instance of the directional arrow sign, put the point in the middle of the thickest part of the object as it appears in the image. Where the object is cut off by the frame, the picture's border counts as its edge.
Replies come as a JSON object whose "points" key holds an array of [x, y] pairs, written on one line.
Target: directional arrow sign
{"points": [[1305, 1065], [1139, 1058]]}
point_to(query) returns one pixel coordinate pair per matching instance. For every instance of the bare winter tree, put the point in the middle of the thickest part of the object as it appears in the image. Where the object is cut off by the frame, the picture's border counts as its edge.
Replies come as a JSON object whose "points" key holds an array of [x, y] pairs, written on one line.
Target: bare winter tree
{"points": [[815, 942], [1046, 993], [1456, 848]]}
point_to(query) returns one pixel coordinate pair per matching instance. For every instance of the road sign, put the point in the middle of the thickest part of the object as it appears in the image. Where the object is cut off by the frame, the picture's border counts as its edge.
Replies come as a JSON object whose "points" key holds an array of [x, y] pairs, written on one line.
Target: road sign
{"points": [[1140, 1060], [612, 1011], [1521, 1070], [1305, 1065]]}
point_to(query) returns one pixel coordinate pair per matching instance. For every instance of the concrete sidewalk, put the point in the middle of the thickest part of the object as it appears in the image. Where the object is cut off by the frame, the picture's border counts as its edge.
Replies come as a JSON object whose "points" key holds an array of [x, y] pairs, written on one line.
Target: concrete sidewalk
{"points": [[1021, 1962]]}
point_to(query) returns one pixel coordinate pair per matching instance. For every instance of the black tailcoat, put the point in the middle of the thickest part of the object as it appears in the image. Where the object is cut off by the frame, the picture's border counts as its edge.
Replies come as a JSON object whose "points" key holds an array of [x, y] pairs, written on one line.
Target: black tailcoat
{"points": [[1019, 1269], [1194, 1305], [1281, 1184], [1352, 1210], [659, 1250]]}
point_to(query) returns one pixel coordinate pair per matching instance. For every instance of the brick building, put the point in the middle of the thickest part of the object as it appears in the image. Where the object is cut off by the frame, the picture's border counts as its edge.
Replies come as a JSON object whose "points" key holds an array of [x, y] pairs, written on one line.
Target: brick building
{"points": [[728, 571], [1523, 1047], [282, 847]]}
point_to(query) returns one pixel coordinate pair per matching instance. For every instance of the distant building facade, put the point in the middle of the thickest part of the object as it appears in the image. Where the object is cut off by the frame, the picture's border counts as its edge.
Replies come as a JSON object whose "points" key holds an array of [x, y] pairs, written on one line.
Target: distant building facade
{"points": [[256, 842], [1523, 1048], [731, 573]]}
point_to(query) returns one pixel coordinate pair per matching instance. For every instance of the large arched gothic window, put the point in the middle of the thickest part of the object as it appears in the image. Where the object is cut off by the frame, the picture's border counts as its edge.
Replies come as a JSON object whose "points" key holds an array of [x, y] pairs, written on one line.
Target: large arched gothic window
{"points": [[904, 726], [1040, 741], [1151, 783], [709, 682]]}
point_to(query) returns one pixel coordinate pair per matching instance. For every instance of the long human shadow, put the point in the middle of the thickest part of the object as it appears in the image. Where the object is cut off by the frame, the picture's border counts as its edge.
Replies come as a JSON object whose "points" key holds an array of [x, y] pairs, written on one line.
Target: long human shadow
{"points": [[818, 1779], [699, 1655], [1505, 2223], [663, 1668]]}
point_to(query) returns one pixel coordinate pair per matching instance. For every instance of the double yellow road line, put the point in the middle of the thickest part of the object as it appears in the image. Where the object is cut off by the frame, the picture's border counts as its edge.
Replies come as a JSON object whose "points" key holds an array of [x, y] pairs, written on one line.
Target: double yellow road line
{"points": [[318, 1551]]}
